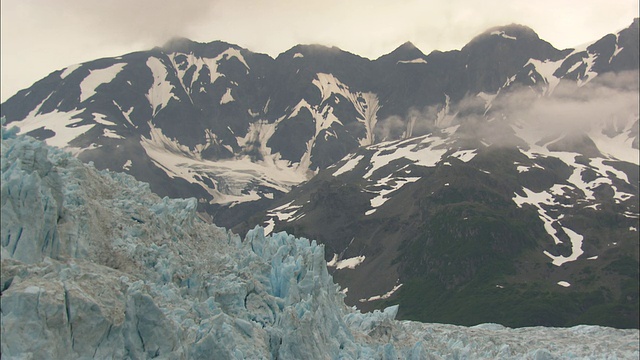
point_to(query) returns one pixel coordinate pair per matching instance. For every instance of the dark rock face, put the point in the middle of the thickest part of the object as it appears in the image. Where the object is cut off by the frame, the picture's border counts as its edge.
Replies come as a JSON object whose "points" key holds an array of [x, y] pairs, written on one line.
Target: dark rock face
{"points": [[463, 185], [499, 52]]}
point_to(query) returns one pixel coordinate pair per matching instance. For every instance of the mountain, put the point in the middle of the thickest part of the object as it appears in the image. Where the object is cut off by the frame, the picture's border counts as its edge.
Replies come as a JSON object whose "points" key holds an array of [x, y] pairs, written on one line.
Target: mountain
{"points": [[94, 265], [210, 120], [517, 205], [495, 183]]}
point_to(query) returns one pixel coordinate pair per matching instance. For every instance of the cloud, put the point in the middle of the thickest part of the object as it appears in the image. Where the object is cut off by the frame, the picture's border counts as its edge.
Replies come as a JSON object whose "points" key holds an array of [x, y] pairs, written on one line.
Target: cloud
{"points": [[390, 128], [610, 102], [41, 36], [124, 20], [608, 97], [415, 122]]}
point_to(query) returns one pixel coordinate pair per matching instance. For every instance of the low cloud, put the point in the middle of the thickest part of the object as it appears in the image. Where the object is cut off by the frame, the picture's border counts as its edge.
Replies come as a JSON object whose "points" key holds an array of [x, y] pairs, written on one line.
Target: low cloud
{"points": [[390, 128], [608, 97], [610, 101], [40, 36]]}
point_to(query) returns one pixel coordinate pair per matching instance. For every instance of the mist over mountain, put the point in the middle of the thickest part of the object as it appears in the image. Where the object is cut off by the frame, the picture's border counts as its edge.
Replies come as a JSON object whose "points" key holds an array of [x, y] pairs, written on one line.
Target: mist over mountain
{"points": [[495, 183]]}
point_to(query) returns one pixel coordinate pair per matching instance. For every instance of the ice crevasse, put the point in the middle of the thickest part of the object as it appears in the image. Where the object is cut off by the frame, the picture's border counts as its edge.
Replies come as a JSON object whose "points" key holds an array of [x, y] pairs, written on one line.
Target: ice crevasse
{"points": [[94, 265]]}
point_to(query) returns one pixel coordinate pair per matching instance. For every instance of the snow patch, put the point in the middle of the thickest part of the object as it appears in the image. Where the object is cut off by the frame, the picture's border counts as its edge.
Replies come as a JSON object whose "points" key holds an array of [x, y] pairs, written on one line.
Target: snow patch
{"points": [[102, 119], [349, 165], [464, 155], [234, 53], [389, 185], [69, 70], [111, 134], [366, 104], [524, 168], [98, 77], [126, 114], [235, 180], [424, 151], [546, 69], [226, 98], [414, 61], [503, 34], [576, 249], [65, 125], [383, 296], [546, 199], [349, 263], [285, 212], [161, 90], [270, 225]]}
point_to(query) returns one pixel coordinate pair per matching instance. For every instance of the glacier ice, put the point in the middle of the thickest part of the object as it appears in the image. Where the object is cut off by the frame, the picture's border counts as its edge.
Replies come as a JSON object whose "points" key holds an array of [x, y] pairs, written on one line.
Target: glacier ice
{"points": [[96, 266]]}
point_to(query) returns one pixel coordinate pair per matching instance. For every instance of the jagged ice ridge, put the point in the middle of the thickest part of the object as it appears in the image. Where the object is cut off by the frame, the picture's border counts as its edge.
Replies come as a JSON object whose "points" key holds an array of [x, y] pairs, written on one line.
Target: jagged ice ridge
{"points": [[94, 265]]}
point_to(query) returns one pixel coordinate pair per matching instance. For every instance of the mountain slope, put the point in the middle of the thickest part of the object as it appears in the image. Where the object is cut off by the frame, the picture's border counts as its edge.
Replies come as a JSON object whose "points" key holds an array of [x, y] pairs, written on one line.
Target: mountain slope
{"points": [[487, 218], [524, 200], [211, 120]]}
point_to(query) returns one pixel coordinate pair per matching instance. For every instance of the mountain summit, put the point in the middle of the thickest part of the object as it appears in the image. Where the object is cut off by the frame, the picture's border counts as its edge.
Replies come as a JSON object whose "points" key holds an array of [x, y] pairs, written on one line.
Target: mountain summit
{"points": [[406, 53]]}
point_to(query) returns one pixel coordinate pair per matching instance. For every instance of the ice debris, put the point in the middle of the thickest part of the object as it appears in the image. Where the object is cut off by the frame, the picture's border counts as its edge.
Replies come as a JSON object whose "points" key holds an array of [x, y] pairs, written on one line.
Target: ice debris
{"points": [[96, 266]]}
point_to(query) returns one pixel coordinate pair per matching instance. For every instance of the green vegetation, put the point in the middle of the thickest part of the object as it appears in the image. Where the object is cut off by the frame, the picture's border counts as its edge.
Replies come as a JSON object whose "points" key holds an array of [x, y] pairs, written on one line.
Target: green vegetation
{"points": [[624, 266], [514, 306], [474, 262]]}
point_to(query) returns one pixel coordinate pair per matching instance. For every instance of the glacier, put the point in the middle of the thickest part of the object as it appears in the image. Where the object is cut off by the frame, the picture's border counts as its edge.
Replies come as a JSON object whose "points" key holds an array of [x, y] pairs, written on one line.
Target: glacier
{"points": [[94, 265]]}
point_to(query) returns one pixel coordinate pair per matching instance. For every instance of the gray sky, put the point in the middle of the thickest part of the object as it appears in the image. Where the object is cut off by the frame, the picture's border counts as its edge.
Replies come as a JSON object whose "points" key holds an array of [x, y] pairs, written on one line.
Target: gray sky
{"points": [[41, 36]]}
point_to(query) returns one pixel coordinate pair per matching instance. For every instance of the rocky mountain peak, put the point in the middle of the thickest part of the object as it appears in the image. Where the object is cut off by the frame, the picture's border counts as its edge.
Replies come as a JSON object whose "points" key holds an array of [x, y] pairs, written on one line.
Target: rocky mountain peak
{"points": [[404, 53], [210, 49]]}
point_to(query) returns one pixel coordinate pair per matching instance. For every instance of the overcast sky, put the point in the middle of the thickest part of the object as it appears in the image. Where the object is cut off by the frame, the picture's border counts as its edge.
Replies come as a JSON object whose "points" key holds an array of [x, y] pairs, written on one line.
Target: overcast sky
{"points": [[41, 36]]}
